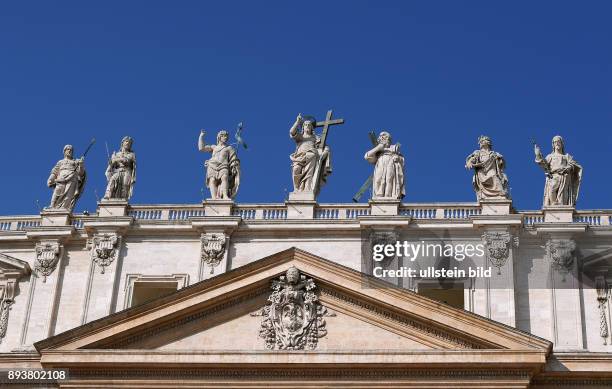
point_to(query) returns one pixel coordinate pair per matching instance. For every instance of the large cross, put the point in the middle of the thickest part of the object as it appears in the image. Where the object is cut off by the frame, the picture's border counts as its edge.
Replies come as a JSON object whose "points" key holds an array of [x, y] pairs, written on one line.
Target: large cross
{"points": [[325, 124]]}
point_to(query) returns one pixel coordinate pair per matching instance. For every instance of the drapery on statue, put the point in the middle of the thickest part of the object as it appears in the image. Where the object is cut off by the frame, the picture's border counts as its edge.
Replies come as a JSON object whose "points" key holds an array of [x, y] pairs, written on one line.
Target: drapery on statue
{"points": [[223, 168], [309, 160], [67, 179], [388, 178], [563, 174], [121, 172], [489, 179]]}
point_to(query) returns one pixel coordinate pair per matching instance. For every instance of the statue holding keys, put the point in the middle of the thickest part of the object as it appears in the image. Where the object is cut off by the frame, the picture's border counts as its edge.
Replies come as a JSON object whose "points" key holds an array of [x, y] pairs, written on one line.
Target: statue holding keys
{"points": [[563, 174], [223, 168]]}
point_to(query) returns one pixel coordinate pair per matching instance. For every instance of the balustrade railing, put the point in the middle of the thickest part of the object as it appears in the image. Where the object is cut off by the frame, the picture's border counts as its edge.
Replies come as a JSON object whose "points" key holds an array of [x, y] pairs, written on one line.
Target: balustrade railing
{"points": [[248, 212]]}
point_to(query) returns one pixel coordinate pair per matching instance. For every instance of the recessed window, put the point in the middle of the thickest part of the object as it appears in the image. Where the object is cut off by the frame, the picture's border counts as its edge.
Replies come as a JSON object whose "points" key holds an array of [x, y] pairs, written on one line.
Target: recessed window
{"points": [[144, 292], [447, 293]]}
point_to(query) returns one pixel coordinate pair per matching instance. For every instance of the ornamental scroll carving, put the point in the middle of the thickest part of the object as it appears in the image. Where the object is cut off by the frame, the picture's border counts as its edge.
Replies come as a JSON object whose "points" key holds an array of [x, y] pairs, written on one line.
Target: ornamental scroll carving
{"points": [[105, 249], [47, 257], [601, 286], [293, 317], [560, 253], [6, 300], [213, 249], [498, 247]]}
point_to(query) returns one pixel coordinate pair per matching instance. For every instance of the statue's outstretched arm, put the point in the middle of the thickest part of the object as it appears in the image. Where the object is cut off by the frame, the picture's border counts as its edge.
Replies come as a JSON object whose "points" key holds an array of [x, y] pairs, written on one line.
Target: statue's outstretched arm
{"points": [[203, 146]]}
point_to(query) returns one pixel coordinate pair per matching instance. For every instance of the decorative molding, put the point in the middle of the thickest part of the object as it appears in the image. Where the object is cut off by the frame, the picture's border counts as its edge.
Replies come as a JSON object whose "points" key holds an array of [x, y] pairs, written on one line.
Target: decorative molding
{"points": [[47, 257], [105, 249], [213, 249], [293, 316], [181, 280], [7, 297], [601, 286], [130, 339], [413, 325], [498, 245], [560, 253]]}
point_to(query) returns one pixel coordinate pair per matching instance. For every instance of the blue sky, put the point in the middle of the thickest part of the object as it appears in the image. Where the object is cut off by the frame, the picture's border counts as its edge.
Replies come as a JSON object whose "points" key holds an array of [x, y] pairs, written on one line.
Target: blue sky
{"points": [[435, 74]]}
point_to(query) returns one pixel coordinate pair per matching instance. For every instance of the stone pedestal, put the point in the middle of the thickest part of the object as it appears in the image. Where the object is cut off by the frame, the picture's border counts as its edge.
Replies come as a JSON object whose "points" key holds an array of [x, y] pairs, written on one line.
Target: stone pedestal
{"points": [[559, 214], [55, 217], [302, 196], [384, 207], [300, 209], [495, 206], [218, 207], [112, 207]]}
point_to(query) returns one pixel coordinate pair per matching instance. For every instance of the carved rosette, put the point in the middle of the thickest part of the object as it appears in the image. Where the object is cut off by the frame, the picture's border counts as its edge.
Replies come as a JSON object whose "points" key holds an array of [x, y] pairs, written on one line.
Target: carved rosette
{"points": [[5, 305], [105, 249], [601, 286], [498, 247], [560, 253], [213, 249], [47, 256], [293, 318]]}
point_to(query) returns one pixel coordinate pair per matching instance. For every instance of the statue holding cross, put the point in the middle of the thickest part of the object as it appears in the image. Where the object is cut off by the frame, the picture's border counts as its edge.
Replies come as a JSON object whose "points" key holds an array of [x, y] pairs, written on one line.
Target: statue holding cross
{"points": [[310, 163]]}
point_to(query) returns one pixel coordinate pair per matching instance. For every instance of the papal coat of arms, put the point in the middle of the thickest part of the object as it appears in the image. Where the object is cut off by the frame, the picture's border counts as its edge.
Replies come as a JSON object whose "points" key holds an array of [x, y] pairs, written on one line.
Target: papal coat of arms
{"points": [[213, 249], [293, 316], [104, 250], [47, 256]]}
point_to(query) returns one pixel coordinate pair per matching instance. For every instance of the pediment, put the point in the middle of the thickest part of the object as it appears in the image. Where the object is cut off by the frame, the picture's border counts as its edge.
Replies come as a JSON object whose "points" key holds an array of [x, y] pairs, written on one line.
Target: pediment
{"points": [[11, 267], [223, 315]]}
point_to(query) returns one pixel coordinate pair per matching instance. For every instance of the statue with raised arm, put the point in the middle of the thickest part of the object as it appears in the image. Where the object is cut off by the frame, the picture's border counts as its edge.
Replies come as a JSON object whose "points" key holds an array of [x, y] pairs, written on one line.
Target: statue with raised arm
{"points": [[223, 168], [310, 165], [388, 178], [121, 172], [67, 179], [563, 174], [489, 179]]}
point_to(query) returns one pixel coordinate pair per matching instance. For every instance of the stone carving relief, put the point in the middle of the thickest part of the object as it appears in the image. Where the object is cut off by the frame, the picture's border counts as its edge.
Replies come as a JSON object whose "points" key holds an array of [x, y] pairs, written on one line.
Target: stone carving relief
{"points": [[47, 256], [213, 249], [6, 300], [383, 238], [105, 249], [498, 245], [601, 286], [293, 318], [560, 253]]}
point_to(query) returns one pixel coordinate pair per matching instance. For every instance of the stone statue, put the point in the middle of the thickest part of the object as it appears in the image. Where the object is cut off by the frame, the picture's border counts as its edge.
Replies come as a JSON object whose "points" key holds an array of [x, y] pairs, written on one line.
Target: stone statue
{"points": [[489, 179], [121, 172], [563, 174], [67, 179], [310, 163], [388, 178], [223, 168]]}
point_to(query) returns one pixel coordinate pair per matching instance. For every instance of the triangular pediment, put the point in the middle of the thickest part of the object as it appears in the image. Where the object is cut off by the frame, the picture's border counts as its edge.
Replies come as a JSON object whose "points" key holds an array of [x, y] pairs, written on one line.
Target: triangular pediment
{"points": [[11, 267], [223, 315]]}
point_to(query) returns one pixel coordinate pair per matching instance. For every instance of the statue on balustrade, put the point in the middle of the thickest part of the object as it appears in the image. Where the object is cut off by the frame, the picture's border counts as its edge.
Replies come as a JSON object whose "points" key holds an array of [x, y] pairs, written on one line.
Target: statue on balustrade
{"points": [[67, 179], [121, 172], [388, 177], [223, 168], [310, 163], [563, 174], [489, 179]]}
